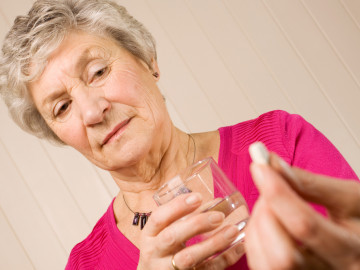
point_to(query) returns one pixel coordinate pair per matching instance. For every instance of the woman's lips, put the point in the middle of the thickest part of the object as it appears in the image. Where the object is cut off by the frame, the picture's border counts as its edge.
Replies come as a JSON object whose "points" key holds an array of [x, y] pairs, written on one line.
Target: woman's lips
{"points": [[116, 132]]}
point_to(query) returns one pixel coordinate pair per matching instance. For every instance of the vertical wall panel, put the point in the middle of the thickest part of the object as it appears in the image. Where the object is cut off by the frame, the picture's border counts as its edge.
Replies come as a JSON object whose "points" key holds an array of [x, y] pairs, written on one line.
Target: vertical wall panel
{"points": [[340, 31], [12, 9], [3, 26], [353, 8], [206, 64], [41, 177], [27, 218], [336, 82], [241, 59], [12, 253], [81, 179]]}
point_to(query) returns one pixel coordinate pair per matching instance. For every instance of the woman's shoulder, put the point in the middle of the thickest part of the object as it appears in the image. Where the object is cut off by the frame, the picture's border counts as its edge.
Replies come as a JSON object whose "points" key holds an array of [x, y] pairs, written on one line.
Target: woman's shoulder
{"points": [[275, 119], [270, 128], [290, 136]]}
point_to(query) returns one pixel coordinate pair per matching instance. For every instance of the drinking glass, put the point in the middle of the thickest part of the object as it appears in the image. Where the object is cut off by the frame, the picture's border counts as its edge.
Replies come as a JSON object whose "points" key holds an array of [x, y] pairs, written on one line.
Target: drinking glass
{"points": [[218, 192]]}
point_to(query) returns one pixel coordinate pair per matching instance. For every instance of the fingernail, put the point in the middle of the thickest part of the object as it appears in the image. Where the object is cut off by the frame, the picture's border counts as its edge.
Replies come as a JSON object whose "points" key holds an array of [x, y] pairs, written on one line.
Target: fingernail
{"points": [[193, 199], [231, 233], [259, 154], [216, 218]]}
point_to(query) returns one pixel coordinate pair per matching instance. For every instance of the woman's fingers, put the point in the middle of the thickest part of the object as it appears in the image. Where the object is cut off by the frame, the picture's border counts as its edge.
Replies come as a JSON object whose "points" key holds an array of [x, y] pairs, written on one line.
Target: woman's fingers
{"points": [[328, 240], [169, 227], [224, 260], [174, 223], [272, 234], [341, 198], [268, 244], [197, 253], [256, 254], [311, 260], [166, 214], [179, 232], [162, 217]]}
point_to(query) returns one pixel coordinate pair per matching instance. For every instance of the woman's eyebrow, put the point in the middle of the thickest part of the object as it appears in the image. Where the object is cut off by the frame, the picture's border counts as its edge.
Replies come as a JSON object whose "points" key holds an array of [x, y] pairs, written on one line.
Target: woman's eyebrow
{"points": [[83, 59], [51, 97], [80, 64]]}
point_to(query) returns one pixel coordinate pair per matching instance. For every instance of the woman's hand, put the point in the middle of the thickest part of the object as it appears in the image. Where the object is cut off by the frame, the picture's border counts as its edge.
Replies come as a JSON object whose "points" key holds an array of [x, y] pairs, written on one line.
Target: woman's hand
{"points": [[163, 238], [284, 232]]}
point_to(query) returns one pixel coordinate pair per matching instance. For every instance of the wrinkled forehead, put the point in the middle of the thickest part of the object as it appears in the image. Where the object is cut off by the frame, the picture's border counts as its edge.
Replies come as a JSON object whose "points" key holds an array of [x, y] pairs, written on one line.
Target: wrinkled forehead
{"points": [[69, 43], [71, 55]]}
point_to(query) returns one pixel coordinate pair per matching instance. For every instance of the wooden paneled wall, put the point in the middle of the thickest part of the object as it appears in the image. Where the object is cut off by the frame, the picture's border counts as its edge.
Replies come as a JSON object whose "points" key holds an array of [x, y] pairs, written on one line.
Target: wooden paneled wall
{"points": [[221, 62]]}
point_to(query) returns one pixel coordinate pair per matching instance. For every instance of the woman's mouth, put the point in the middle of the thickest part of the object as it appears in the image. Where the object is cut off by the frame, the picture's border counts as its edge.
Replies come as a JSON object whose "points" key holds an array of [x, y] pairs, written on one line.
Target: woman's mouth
{"points": [[116, 132]]}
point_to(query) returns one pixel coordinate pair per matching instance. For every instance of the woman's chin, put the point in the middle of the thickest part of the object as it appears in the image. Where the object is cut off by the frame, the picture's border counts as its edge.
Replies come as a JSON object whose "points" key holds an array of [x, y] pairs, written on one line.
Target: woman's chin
{"points": [[120, 160]]}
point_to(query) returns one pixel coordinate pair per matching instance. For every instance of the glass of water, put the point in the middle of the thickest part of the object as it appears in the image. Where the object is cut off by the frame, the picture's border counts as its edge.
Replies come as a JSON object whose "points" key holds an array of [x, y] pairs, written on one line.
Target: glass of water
{"points": [[218, 192]]}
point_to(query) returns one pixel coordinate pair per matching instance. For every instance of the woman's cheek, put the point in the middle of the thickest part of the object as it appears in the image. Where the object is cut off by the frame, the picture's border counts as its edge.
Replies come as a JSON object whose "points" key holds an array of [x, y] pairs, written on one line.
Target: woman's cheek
{"points": [[125, 86], [75, 137]]}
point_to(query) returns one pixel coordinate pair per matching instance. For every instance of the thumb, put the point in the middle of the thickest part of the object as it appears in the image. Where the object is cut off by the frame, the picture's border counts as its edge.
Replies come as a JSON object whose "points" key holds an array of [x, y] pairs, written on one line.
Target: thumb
{"points": [[340, 197]]}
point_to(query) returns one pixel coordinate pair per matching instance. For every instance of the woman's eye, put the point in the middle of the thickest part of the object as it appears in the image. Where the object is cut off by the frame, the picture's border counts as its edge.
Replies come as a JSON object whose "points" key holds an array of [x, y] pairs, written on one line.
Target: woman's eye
{"points": [[98, 74], [61, 108]]}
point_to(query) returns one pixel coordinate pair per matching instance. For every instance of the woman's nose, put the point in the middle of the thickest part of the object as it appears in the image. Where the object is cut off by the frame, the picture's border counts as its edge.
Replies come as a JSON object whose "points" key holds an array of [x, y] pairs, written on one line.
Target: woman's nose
{"points": [[92, 105]]}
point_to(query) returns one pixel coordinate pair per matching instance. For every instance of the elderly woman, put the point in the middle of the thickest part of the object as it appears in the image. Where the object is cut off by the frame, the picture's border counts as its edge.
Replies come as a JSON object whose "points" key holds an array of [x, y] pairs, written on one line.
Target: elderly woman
{"points": [[84, 73]]}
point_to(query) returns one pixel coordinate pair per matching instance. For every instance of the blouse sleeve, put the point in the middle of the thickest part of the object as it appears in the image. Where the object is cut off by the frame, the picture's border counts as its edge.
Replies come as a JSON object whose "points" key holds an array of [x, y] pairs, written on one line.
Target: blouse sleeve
{"points": [[311, 150]]}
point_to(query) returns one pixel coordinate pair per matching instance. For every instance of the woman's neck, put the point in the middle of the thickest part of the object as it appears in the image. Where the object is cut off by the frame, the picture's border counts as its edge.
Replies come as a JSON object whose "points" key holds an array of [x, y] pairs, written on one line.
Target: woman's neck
{"points": [[164, 161], [178, 155]]}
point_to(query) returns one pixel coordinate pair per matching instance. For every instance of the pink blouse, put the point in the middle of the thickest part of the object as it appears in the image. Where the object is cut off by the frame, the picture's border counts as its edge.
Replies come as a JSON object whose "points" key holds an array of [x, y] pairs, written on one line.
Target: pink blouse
{"points": [[290, 136]]}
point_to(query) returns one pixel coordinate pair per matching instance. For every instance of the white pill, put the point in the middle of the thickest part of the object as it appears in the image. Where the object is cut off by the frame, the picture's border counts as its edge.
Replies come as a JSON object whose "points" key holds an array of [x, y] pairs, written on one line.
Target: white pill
{"points": [[259, 154]]}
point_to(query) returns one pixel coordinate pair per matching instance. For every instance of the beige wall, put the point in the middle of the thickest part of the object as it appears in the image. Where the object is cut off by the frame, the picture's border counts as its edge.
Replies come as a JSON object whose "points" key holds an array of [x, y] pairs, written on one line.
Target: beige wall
{"points": [[222, 62]]}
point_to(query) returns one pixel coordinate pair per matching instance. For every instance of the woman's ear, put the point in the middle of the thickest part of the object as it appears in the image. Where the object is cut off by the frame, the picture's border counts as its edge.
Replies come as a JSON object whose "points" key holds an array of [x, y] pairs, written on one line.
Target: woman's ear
{"points": [[155, 69]]}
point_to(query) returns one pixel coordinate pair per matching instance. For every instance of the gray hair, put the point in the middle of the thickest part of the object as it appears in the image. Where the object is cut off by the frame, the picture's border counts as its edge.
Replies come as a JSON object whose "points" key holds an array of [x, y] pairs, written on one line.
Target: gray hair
{"points": [[35, 36]]}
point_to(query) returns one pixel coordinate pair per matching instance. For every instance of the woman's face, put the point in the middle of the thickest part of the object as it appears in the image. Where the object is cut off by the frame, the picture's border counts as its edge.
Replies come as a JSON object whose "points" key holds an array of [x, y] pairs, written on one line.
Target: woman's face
{"points": [[103, 101]]}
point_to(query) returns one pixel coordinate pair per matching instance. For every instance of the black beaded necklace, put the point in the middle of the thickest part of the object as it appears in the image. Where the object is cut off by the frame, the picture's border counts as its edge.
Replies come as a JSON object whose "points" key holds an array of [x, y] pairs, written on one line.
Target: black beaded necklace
{"points": [[142, 218]]}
